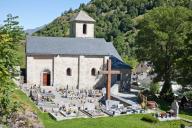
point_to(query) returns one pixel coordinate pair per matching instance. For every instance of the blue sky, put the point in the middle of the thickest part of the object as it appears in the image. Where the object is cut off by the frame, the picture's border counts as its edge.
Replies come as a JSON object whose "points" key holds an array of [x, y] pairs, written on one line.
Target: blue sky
{"points": [[35, 13]]}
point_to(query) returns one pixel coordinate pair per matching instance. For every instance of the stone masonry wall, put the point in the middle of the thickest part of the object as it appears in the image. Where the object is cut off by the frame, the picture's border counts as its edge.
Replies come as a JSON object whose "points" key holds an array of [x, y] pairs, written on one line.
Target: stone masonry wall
{"points": [[35, 67], [79, 30], [80, 66]]}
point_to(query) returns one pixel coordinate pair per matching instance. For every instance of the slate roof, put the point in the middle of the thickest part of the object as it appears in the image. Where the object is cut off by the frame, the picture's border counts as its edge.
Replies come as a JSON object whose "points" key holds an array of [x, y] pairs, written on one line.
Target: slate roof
{"points": [[118, 64], [69, 46], [82, 16]]}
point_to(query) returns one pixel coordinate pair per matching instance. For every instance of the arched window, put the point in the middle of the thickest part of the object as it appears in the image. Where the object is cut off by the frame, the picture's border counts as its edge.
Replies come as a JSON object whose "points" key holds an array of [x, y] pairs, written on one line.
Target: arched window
{"points": [[93, 72], [84, 29], [69, 72]]}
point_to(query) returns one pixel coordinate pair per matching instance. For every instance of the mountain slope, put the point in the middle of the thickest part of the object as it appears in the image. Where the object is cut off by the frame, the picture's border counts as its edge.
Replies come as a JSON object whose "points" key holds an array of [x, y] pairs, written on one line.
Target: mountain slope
{"points": [[31, 31], [116, 20]]}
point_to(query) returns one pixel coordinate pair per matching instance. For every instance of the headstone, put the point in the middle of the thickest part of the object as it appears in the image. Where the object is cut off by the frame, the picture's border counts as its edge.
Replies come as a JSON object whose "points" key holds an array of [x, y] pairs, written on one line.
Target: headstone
{"points": [[115, 89], [175, 107], [111, 103], [104, 91], [89, 106]]}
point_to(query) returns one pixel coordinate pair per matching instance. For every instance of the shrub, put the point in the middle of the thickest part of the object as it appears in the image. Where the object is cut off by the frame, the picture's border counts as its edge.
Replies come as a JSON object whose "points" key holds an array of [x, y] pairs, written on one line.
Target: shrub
{"points": [[182, 126], [154, 88], [188, 94], [150, 118]]}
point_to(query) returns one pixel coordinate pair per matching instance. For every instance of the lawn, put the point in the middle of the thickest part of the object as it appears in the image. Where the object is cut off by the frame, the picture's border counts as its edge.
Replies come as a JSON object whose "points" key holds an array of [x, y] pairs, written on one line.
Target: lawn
{"points": [[130, 121], [186, 114]]}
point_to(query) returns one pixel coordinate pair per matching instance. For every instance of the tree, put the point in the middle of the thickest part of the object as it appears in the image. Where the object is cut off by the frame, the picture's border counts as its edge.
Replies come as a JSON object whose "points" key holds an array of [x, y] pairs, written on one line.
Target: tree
{"points": [[163, 34], [126, 24], [154, 88], [130, 60], [133, 11], [119, 43], [10, 36], [184, 64]]}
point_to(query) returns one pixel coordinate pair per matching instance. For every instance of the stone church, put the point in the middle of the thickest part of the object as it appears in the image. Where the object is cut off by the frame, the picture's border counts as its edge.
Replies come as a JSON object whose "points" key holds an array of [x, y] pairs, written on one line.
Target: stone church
{"points": [[75, 61]]}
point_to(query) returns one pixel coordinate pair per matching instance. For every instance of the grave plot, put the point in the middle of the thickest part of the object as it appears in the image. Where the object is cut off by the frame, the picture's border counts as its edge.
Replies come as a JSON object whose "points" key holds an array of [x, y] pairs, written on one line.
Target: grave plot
{"points": [[86, 101], [114, 108], [92, 110], [64, 104], [67, 114], [172, 114]]}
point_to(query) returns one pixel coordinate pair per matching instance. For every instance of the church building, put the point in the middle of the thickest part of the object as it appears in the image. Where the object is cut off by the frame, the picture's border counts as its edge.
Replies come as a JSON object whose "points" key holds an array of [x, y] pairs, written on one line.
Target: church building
{"points": [[76, 61]]}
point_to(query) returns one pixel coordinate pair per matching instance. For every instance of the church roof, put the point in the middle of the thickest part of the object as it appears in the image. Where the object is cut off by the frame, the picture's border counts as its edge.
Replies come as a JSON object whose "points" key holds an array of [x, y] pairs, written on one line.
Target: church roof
{"points": [[69, 46], [82, 16], [118, 64]]}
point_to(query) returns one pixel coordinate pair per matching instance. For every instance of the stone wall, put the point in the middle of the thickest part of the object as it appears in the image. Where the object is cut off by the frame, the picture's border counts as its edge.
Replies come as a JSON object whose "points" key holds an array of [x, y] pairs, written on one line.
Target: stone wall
{"points": [[80, 66], [78, 29], [35, 67], [61, 79], [87, 63]]}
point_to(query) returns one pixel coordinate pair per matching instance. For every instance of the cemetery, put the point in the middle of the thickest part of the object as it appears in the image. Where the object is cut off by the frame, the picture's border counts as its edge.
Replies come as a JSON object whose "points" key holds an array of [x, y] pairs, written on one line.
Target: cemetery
{"points": [[120, 64], [63, 104], [74, 108], [67, 104]]}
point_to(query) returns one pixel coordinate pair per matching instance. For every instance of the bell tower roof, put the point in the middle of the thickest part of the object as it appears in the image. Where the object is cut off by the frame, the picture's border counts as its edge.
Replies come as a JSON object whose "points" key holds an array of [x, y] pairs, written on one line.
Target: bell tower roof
{"points": [[82, 16]]}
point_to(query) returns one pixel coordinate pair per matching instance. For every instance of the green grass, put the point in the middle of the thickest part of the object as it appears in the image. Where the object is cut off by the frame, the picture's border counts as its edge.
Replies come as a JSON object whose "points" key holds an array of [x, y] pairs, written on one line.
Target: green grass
{"points": [[130, 121], [186, 114]]}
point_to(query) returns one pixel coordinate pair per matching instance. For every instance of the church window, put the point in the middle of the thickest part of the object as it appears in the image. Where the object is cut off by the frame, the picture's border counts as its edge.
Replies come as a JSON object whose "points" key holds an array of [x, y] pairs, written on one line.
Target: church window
{"points": [[69, 72], [93, 72], [84, 29]]}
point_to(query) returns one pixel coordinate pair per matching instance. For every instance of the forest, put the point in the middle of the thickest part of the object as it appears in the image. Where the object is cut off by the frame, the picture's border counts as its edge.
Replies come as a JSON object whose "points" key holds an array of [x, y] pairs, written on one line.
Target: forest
{"points": [[116, 20]]}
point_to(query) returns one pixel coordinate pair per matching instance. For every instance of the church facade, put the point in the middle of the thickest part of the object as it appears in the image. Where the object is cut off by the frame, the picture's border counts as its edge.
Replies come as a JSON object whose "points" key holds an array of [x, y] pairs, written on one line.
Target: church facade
{"points": [[73, 62]]}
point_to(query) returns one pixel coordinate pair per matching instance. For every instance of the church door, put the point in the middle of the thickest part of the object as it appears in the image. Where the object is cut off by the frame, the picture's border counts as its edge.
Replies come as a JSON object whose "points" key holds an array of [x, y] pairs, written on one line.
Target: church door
{"points": [[46, 79]]}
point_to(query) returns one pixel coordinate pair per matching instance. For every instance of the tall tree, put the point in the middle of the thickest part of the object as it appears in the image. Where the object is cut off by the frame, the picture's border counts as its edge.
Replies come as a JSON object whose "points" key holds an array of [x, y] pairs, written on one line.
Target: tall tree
{"points": [[119, 43], [10, 36], [163, 33], [126, 24], [184, 64]]}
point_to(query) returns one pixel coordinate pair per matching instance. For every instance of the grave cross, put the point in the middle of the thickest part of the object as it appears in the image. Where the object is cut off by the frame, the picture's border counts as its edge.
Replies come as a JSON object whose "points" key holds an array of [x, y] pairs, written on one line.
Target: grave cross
{"points": [[109, 72]]}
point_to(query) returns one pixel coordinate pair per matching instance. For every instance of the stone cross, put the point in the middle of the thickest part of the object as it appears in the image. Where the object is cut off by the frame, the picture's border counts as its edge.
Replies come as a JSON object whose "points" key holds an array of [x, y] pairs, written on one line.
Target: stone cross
{"points": [[109, 72]]}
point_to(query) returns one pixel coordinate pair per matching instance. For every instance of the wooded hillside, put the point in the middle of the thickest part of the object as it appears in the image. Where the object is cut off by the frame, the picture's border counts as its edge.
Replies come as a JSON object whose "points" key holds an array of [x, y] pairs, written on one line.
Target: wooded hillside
{"points": [[116, 21]]}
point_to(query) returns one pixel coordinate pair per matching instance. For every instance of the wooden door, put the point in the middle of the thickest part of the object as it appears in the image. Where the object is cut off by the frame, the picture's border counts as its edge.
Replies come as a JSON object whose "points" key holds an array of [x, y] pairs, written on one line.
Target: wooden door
{"points": [[46, 79]]}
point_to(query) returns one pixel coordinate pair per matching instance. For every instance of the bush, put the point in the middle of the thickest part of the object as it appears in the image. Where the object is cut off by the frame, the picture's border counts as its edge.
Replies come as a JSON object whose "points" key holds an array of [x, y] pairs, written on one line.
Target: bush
{"points": [[150, 118], [154, 88], [188, 94], [182, 126]]}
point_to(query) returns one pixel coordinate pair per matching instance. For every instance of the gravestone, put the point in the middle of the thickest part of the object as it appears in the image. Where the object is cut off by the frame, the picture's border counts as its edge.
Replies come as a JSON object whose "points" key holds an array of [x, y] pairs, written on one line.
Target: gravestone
{"points": [[111, 103], [115, 89], [175, 107], [89, 106], [103, 91]]}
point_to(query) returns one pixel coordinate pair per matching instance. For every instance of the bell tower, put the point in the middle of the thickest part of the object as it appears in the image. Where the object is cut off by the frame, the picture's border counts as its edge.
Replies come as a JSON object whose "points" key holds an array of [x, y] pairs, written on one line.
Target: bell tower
{"points": [[82, 26]]}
